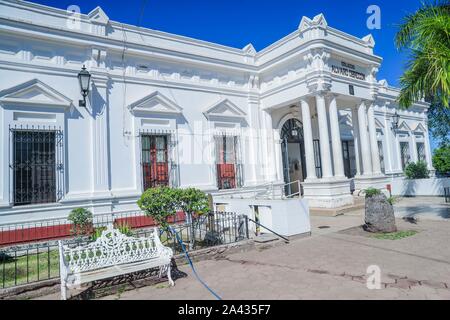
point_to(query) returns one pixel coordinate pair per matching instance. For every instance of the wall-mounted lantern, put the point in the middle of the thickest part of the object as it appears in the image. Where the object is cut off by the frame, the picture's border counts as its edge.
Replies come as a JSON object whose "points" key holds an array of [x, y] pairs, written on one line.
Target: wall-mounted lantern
{"points": [[395, 120], [84, 77]]}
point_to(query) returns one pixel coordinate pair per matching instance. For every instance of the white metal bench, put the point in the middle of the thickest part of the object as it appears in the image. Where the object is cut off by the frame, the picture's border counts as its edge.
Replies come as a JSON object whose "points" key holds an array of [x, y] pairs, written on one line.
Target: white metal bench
{"points": [[112, 254]]}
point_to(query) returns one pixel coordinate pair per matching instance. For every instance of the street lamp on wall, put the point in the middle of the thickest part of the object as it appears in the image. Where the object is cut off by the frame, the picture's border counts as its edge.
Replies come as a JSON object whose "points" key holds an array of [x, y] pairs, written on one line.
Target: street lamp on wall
{"points": [[395, 121], [84, 78]]}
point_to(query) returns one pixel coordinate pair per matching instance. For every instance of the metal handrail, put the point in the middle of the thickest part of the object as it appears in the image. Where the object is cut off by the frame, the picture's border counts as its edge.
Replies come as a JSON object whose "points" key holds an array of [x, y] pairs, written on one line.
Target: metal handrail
{"points": [[295, 193], [275, 233], [265, 189]]}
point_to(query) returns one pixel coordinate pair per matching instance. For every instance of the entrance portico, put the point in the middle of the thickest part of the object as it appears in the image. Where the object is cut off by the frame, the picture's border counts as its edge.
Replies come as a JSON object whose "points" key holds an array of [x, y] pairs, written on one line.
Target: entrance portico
{"points": [[320, 157]]}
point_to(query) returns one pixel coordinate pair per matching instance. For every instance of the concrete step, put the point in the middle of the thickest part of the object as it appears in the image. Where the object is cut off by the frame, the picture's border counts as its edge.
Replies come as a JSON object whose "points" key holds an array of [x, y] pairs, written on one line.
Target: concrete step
{"points": [[358, 204], [265, 237]]}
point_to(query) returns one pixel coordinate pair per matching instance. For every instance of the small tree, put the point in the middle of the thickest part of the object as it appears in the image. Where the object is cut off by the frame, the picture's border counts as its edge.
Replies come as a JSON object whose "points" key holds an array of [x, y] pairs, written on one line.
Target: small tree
{"points": [[417, 170], [441, 159], [160, 203], [192, 201], [82, 220]]}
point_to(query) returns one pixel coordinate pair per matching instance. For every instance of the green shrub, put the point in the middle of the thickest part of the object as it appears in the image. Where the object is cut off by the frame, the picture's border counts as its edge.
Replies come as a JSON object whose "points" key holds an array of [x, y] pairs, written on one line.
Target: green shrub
{"points": [[81, 219], [125, 229], [160, 203], [97, 233], [192, 200], [392, 200], [417, 170], [441, 159], [370, 192]]}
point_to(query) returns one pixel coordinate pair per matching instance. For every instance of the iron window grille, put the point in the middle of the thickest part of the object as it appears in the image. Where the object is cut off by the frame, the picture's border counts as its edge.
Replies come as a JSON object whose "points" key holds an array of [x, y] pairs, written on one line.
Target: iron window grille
{"points": [[404, 153], [158, 158], [155, 164], [381, 155], [421, 151], [36, 164], [229, 167]]}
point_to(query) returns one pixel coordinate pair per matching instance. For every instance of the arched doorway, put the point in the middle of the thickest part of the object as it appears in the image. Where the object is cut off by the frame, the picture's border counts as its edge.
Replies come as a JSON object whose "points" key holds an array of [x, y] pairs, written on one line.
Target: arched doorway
{"points": [[293, 154]]}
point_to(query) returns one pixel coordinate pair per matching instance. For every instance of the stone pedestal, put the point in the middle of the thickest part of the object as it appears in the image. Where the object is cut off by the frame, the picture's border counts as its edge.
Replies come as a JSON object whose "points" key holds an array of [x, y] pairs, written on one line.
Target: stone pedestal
{"points": [[327, 193]]}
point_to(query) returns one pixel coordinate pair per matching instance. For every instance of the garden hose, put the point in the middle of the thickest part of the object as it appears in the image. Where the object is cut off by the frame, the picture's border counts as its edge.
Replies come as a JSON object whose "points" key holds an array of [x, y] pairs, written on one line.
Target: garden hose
{"points": [[192, 265]]}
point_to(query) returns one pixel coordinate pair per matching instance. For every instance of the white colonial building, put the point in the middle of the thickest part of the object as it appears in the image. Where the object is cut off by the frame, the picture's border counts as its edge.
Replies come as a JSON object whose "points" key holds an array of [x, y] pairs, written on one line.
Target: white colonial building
{"points": [[163, 109]]}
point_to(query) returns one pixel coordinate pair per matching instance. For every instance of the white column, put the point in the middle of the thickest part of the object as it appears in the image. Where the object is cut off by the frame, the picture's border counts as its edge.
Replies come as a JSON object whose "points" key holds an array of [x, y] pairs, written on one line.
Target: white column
{"points": [[426, 140], [324, 136], [308, 139], [356, 140], [376, 167], [364, 140], [99, 139], [388, 143], [336, 142]]}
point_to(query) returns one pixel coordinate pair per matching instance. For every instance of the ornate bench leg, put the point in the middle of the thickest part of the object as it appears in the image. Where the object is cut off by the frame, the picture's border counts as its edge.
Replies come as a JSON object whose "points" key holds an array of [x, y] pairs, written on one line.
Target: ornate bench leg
{"points": [[63, 290], [169, 276]]}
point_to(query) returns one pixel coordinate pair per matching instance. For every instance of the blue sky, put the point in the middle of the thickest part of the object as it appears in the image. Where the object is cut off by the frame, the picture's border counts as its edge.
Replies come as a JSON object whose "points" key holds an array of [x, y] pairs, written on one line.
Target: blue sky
{"points": [[238, 22]]}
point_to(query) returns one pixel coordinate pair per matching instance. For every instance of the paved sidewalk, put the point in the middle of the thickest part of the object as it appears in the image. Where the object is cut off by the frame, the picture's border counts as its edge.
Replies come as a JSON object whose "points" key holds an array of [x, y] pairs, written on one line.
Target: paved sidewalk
{"points": [[331, 264], [328, 265], [430, 208]]}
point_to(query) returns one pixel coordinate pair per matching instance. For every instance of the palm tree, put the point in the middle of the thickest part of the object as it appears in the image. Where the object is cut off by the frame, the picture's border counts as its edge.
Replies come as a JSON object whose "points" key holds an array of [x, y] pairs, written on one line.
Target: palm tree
{"points": [[426, 34]]}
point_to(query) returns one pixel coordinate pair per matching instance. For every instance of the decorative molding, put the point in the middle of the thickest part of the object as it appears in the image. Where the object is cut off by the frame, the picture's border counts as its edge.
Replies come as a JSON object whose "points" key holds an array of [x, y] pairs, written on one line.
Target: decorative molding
{"points": [[378, 124], [224, 108], [99, 16], [403, 126], [420, 128], [34, 92], [249, 50], [369, 39], [318, 21], [155, 102]]}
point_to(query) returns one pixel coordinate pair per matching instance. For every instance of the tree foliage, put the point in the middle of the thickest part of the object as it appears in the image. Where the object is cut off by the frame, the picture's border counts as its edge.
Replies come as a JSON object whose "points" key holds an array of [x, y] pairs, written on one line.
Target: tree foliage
{"points": [[161, 203], [426, 34], [441, 159], [439, 123]]}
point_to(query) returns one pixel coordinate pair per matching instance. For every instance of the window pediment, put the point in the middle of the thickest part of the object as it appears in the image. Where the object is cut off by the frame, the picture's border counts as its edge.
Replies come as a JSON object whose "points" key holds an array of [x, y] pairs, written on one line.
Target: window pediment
{"points": [[419, 128], [224, 109], [34, 93], [404, 127], [155, 103]]}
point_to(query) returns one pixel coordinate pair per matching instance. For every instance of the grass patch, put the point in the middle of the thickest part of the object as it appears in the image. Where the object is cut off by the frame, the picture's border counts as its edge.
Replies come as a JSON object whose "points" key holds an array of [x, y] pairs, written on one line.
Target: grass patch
{"points": [[29, 268], [395, 235]]}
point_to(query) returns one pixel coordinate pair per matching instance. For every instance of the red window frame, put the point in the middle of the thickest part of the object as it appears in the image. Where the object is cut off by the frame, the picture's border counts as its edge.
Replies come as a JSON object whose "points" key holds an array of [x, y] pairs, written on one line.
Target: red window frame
{"points": [[226, 168], [154, 171]]}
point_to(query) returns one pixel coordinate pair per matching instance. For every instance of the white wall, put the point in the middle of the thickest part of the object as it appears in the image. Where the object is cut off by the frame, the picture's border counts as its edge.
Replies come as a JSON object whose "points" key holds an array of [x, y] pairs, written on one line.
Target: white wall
{"points": [[419, 187], [287, 217]]}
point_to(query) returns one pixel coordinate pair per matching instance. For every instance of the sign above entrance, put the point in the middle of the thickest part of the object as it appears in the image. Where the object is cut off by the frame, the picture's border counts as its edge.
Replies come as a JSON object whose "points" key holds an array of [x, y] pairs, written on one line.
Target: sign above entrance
{"points": [[348, 70]]}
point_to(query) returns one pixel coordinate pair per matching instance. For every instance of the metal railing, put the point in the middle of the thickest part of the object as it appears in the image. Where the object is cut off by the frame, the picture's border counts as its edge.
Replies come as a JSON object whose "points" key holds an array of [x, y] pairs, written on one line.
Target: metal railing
{"points": [[270, 230], [33, 262], [57, 228], [265, 191]]}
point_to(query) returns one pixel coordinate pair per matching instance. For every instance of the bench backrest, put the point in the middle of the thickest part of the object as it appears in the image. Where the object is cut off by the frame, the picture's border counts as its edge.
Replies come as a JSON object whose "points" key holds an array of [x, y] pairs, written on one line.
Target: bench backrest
{"points": [[111, 248]]}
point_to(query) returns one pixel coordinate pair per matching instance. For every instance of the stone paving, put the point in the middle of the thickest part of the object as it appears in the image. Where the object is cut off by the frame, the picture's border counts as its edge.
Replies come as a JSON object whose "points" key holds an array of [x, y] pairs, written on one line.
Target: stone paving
{"points": [[328, 265], [331, 264]]}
